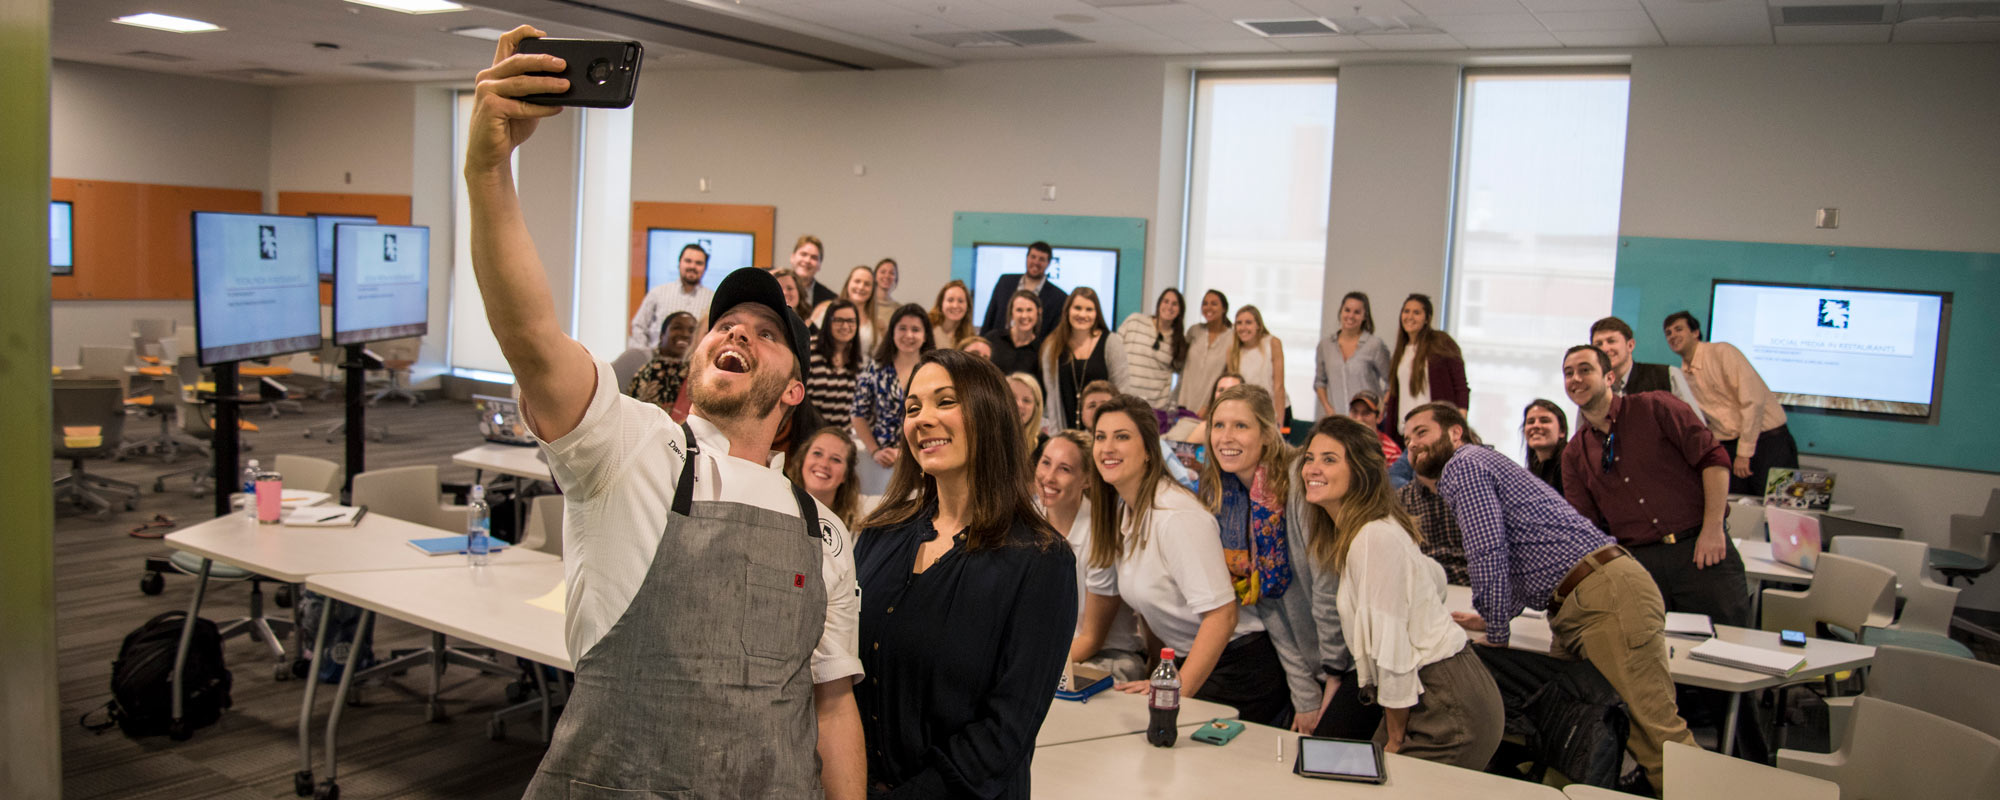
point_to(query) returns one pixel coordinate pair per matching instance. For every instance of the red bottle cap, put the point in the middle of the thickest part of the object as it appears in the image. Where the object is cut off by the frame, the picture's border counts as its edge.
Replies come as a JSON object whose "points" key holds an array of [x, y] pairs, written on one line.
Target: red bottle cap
{"points": [[1166, 654]]}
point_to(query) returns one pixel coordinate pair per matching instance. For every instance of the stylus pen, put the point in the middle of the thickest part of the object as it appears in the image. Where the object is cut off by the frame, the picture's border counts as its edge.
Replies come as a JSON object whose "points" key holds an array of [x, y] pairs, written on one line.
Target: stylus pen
{"points": [[1280, 755]]}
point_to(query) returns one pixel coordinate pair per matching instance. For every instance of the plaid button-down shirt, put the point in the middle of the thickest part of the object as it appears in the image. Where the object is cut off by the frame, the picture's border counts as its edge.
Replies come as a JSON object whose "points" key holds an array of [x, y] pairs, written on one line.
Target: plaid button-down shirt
{"points": [[1521, 537]]}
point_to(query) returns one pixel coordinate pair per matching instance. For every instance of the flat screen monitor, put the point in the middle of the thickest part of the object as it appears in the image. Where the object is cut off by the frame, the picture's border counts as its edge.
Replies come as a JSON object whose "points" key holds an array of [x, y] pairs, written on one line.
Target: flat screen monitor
{"points": [[728, 252], [381, 282], [1070, 268], [62, 227], [324, 237], [256, 290], [1868, 351]]}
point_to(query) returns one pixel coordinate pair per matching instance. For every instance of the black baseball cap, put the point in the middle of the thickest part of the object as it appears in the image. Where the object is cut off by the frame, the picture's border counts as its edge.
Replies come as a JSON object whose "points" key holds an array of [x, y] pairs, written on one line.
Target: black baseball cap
{"points": [[753, 285]]}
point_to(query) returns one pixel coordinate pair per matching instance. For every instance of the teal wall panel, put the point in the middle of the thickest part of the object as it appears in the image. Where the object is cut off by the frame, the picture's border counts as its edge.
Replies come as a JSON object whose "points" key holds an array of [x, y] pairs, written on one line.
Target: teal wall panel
{"points": [[1127, 235], [1657, 277]]}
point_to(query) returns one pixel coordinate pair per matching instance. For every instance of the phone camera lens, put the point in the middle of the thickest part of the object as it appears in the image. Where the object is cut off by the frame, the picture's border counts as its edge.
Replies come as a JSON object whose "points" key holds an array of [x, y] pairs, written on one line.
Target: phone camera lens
{"points": [[599, 72]]}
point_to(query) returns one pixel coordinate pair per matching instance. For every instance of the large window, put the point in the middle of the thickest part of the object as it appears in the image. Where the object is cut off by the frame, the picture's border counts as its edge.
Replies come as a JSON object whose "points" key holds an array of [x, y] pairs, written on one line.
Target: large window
{"points": [[1259, 175], [1535, 234]]}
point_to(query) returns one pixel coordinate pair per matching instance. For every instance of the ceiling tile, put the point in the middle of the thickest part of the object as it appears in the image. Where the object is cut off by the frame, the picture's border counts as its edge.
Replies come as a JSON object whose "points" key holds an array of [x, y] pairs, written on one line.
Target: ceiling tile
{"points": [[1253, 9], [1322, 44], [1948, 32], [1156, 16], [1546, 6], [1334, 9], [1509, 41], [1708, 14], [1634, 38], [1412, 41], [1704, 36], [1489, 23], [1236, 46], [1596, 21], [1444, 8], [1167, 47], [1833, 34]]}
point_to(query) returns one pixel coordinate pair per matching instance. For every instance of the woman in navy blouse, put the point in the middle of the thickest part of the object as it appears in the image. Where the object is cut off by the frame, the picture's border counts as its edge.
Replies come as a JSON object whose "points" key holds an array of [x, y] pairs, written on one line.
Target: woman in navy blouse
{"points": [[968, 596]]}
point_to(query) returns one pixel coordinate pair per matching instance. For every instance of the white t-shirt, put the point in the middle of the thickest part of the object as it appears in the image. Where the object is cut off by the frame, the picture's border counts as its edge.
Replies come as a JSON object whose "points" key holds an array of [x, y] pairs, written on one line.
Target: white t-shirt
{"points": [[661, 302], [1124, 633], [619, 469], [1407, 401], [1177, 575]]}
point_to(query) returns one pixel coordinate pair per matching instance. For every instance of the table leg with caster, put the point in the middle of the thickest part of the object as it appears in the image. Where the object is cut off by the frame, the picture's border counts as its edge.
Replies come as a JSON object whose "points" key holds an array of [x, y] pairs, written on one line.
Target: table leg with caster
{"points": [[302, 781], [177, 729], [329, 789]]}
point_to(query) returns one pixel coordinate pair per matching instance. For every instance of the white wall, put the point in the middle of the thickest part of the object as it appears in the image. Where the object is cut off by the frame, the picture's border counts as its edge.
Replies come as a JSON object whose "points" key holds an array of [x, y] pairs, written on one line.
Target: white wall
{"points": [[1744, 143], [353, 138]]}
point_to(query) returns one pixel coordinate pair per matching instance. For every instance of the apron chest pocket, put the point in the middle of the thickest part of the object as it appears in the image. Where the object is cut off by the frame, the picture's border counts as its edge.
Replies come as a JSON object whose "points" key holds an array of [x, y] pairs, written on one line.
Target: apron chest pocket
{"points": [[776, 600]]}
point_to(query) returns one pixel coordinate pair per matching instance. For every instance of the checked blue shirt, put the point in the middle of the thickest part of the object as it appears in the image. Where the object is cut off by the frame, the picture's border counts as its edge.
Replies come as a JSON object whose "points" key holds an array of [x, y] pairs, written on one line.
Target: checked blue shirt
{"points": [[1521, 537]]}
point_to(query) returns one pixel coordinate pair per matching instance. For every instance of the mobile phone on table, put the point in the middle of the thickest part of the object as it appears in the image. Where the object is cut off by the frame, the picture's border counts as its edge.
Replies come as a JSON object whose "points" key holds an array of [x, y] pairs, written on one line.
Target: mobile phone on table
{"points": [[1792, 638], [1218, 732], [602, 73]]}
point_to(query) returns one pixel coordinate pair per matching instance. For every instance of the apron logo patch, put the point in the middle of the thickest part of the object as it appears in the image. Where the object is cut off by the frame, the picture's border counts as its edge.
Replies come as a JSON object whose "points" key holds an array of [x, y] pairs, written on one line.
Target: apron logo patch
{"points": [[799, 580], [832, 539]]}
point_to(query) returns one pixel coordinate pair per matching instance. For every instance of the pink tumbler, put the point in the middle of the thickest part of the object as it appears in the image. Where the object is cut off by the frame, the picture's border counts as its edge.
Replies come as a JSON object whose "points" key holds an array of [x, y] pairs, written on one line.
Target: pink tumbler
{"points": [[270, 497]]}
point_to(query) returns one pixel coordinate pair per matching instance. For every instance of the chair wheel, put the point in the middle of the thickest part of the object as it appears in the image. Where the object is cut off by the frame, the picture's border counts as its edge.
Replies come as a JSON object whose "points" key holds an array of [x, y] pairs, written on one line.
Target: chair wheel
{"points": [[283, 596], [152, 583], [281, 672], [159, 487], [132, 504], [496, 730], [300, 667], [434, 712], [327, 790], [178, 731], [302, 783]]}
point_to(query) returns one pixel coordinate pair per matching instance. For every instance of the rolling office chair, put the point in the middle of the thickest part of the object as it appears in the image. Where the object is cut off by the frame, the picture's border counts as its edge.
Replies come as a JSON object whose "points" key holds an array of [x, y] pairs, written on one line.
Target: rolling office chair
{"points": [[1970, 538], [89, 421], [149, 334]]}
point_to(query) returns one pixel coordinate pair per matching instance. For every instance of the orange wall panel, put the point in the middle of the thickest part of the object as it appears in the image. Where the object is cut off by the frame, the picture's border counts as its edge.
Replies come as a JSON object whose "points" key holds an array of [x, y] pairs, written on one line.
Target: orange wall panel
{"points": [[135, 241]]}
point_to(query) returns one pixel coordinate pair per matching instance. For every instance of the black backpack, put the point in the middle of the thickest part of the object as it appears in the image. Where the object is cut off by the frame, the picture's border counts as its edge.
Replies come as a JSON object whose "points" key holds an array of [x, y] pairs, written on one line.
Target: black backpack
{"points": [[142, 680]]}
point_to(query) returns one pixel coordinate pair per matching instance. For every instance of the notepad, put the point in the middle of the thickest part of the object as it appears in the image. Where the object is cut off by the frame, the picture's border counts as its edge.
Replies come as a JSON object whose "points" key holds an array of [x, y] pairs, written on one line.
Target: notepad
{"points": [[1693, 626], [448, 545], [555, 600], [1754, 659], [325, 516]]}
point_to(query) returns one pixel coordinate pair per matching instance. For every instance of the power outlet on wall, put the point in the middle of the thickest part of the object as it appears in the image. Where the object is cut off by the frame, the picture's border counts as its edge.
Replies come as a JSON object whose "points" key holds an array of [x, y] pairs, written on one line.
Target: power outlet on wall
{"points": [[1048, 191]]}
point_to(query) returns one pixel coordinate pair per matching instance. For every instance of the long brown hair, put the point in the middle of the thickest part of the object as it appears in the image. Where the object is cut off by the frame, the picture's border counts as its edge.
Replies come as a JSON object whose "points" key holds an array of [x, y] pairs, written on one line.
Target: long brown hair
{"points": [[846, 496], [1058, 344], [1429, 342], [995, 460], [1236, 344], [1276, 453], [964, 330], [1367, 311], [867, 309], [1369, 497], [1177, 332], [1108, 538], [885, 345]]}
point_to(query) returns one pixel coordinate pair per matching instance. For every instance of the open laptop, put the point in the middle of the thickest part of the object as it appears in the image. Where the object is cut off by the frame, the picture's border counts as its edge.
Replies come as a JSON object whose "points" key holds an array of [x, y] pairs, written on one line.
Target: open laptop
{"points": [[500, 421], [1794, 537]]}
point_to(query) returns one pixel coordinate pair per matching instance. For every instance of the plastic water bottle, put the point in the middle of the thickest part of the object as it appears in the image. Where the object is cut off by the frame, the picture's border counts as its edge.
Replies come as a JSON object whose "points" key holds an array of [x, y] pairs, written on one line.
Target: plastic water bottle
{"points": [[249, 490], [1165, 702], [479, 530]]}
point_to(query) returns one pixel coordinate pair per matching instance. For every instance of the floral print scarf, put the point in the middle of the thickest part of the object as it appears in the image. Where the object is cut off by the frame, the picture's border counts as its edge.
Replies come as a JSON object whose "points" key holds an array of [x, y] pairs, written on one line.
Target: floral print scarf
{"points": [[1253, 538]]}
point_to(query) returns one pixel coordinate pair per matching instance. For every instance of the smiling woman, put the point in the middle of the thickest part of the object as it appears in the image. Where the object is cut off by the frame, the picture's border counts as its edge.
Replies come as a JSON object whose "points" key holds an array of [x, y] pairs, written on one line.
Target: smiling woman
{"points": [[967, 596]]}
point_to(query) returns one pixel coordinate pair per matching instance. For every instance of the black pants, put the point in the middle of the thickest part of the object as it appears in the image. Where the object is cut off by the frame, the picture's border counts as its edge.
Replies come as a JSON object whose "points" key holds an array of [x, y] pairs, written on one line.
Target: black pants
{"points": [[1346, 717], [1250, 679], [1718, 591], [1775, 448]]}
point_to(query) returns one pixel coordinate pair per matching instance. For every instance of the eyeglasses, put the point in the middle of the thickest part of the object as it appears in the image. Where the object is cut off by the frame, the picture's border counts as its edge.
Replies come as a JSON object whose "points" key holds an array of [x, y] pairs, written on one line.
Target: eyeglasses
{"points": [[1610, 450], [839, 321]]}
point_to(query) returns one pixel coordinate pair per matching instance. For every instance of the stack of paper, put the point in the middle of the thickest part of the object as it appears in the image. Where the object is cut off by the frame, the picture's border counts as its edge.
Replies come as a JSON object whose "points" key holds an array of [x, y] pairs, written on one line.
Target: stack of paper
{"points": [[1693, 626], [1755, 659], [325, 516]]}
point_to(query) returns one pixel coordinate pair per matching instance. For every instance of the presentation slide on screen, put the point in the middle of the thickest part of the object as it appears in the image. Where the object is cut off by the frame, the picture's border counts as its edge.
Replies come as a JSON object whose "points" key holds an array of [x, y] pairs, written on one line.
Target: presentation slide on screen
{"points": [[325, 225], [381, 282], [1072, 267], [727, 252], [61, 253], [256, 287], [1835, 348]]}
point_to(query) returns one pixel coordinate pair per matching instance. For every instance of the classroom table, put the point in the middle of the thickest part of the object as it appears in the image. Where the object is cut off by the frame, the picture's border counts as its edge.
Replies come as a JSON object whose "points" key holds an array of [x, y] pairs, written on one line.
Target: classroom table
{"points": [[1257, 763], [1530, 632], [1115, 713], [487, 606], [506, 459]]}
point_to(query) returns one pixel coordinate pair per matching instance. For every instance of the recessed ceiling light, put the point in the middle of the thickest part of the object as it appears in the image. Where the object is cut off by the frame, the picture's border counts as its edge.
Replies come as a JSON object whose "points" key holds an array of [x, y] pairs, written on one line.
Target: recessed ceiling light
{"points": [[412, 6], [163, 22], [481, 32]]}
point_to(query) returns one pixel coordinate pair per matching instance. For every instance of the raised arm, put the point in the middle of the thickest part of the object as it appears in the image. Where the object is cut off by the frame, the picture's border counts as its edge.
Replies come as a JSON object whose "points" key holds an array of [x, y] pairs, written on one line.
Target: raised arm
{"points": [[555, 373]]}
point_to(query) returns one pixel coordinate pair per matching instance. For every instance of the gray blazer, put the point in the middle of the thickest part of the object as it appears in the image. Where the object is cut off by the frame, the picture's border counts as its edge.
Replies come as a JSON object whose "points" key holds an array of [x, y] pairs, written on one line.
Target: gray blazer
{"points": [[1304, 624]]}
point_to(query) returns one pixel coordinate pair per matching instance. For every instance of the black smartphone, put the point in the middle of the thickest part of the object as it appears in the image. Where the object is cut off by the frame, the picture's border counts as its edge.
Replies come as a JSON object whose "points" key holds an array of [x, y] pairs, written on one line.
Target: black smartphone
{"points": [[602, 73], [1792, 638]]}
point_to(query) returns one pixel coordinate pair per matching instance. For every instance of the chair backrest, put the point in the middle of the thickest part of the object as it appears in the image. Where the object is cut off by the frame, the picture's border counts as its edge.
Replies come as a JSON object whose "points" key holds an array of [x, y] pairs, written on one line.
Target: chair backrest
{"points": [[544, 527], [92, 411], [1963, 690], [1834, 526], [184, 339], [406, 493], [1928, 605], [309, 474], [627, 364], [1897, 751], [152, 331], [1694, 773], [1851, 593], [104, 362], [1746, 521]]}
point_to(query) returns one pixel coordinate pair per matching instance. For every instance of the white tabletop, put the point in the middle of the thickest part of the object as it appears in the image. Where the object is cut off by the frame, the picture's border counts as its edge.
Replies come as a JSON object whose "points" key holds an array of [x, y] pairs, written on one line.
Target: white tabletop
{"points": [[1115, 713], [1823, 656], [1695, 772], [1256, 764], [524, 462], [1759, 566], [292, 554], [484, 605]]}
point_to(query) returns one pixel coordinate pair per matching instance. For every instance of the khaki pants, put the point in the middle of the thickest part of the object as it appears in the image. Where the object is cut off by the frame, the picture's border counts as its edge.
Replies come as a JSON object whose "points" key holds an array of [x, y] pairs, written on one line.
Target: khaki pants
{"points": [[1615, 619]]}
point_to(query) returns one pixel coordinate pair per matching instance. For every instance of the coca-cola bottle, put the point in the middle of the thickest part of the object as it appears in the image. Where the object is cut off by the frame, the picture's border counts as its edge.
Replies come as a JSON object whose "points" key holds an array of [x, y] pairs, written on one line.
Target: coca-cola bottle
{"points": [[1164, 699]]}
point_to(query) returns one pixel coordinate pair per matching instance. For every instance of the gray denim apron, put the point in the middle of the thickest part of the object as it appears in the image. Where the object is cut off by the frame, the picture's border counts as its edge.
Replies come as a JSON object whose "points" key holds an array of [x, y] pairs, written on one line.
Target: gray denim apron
{"points": [[703, 689]]}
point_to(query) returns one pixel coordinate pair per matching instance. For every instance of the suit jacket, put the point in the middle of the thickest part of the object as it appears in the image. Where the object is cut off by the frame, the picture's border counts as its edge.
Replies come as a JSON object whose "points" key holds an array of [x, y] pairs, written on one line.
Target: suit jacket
{"points": [[1003, 290], [1648, 378]]}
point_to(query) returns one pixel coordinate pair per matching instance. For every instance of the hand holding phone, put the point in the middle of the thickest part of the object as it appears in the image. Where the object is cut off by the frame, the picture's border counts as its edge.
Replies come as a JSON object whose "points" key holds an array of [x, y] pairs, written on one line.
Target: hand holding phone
{"points": [[601, 73]]}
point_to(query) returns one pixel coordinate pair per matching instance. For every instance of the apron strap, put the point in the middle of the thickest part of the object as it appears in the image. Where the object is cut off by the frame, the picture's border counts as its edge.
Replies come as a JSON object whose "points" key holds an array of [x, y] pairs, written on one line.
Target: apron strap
{"points": [[808, 510], [684, 489]]}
